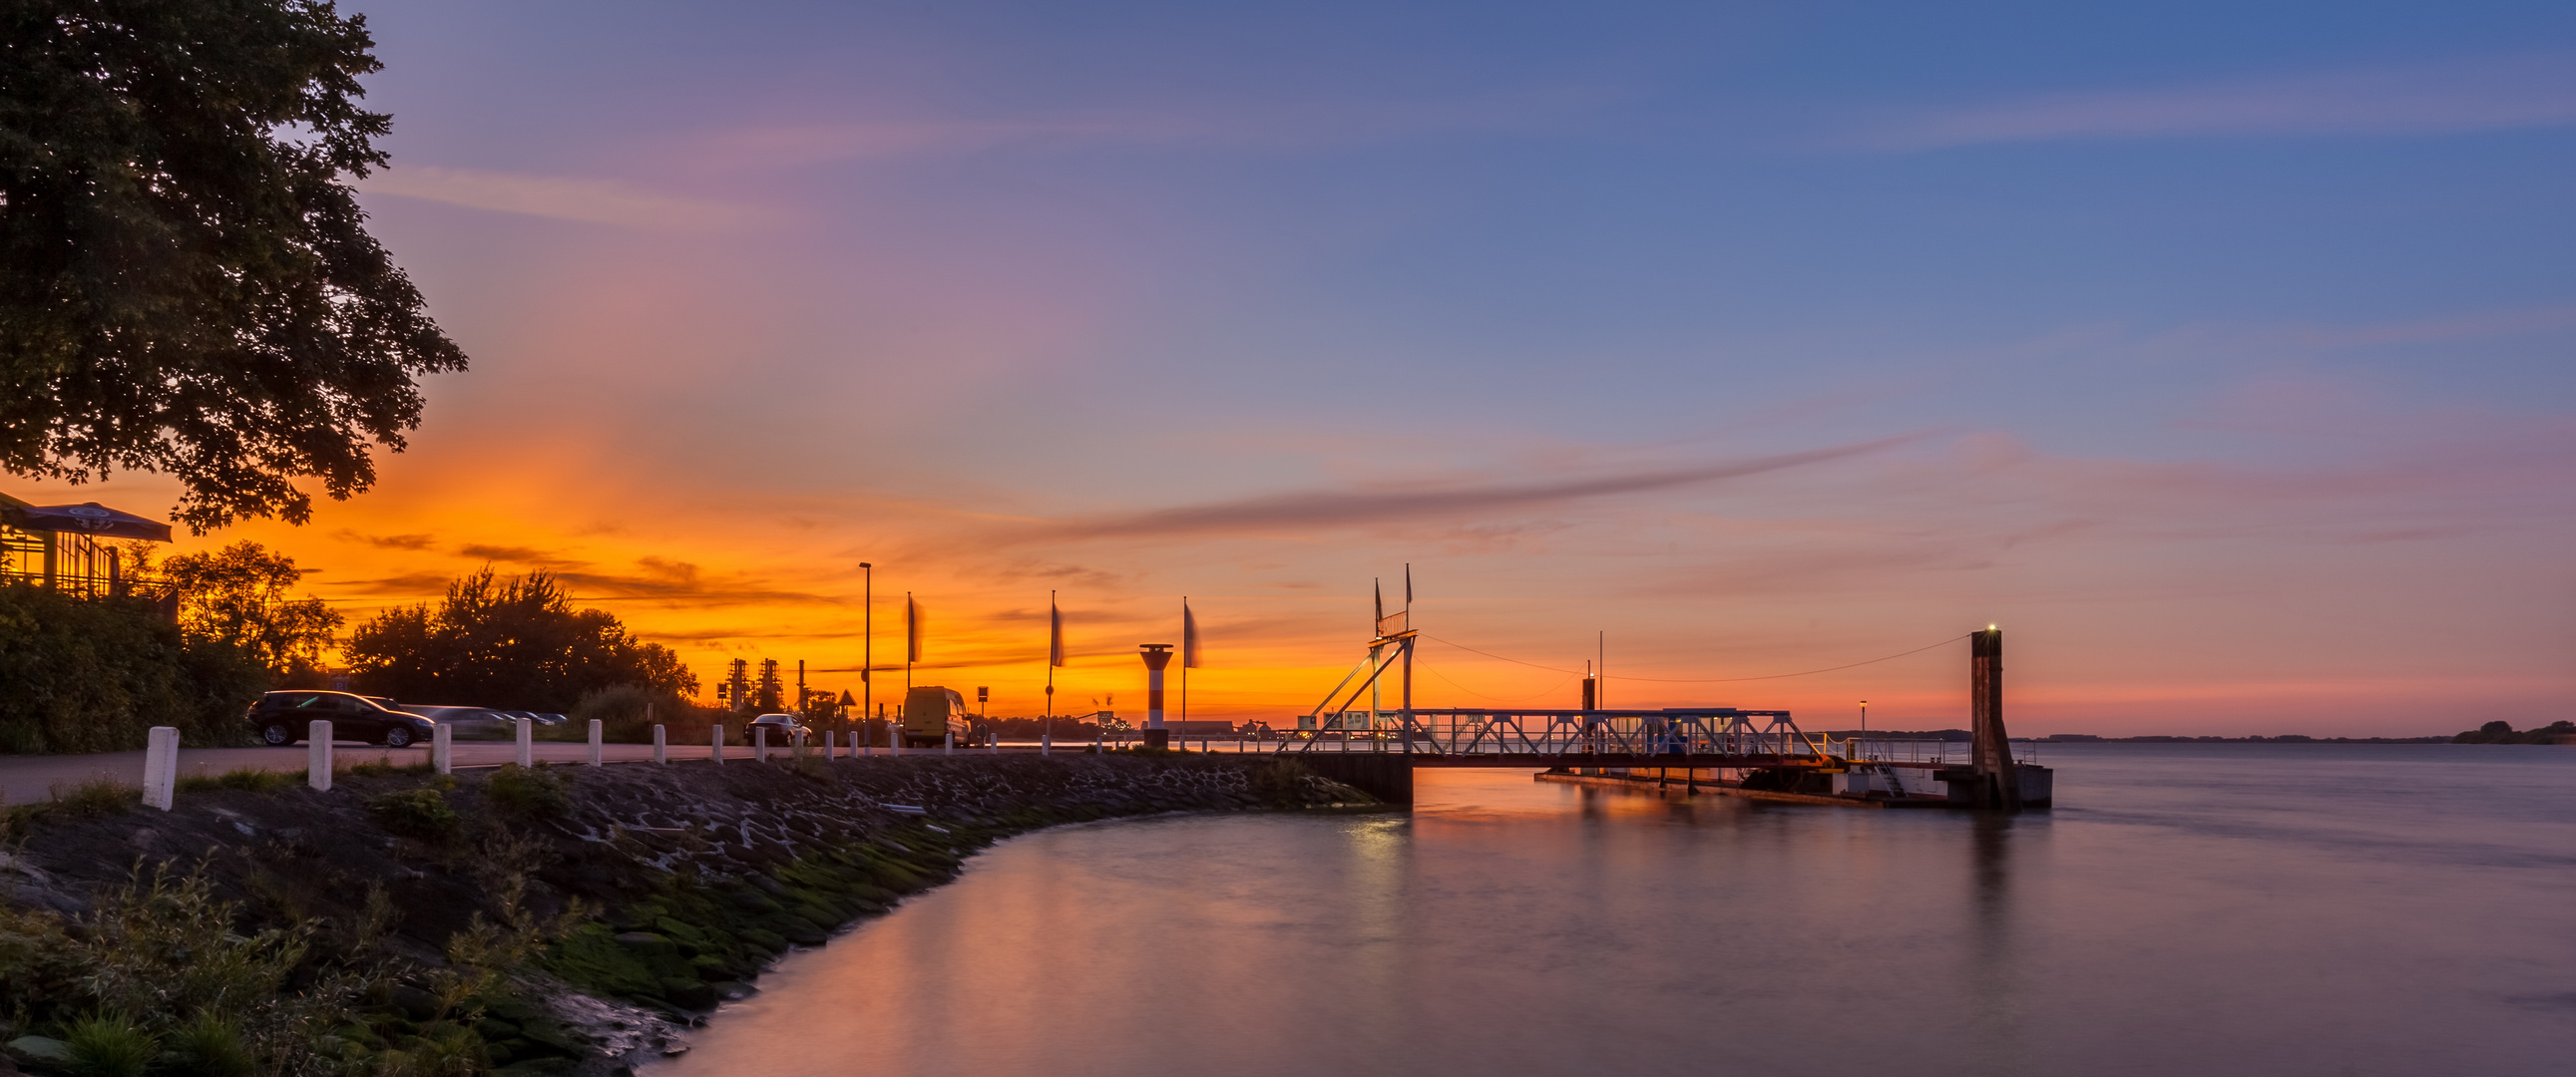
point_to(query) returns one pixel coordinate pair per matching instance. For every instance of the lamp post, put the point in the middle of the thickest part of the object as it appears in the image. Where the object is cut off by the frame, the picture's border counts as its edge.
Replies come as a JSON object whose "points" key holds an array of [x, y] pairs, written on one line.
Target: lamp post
{"points": [[1864, 720], [868, 643]]}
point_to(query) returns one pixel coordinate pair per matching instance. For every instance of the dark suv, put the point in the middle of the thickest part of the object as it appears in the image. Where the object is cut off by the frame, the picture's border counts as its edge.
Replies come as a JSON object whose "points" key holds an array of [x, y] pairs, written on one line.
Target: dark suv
{"points": [[281, 717]]}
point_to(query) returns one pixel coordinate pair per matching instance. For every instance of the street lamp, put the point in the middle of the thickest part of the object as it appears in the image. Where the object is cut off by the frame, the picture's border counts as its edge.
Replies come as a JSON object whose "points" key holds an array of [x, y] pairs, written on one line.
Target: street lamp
{"points": [[868, 644]]}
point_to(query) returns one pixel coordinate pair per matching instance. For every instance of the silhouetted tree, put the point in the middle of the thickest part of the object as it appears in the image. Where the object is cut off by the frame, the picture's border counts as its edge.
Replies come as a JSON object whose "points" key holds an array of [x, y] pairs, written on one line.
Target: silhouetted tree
{"points": [[186, 285], [239, 595], [511, 643]]}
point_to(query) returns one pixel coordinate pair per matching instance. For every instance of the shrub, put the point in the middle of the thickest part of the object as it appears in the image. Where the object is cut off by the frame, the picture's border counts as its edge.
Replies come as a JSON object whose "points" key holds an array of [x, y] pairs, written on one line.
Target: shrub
{"points": [[415, 813], [531, 791], [212, 1047], [94, 675], [95, 797], [1279, 781], [627, 714]]}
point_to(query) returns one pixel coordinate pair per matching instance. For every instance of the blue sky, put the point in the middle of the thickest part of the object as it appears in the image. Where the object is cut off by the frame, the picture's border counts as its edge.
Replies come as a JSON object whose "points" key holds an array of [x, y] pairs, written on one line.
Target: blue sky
{"points": [[2225, 349]]}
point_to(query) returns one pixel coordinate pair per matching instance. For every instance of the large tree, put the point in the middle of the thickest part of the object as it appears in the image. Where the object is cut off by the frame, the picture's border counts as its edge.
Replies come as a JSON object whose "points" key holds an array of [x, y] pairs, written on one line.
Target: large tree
{"points": [[186, 282], [511, 643]]}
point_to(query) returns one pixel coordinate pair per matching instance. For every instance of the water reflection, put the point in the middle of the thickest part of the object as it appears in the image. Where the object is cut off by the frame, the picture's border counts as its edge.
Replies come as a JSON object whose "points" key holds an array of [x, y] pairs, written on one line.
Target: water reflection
{"points": [[1512, 927]]}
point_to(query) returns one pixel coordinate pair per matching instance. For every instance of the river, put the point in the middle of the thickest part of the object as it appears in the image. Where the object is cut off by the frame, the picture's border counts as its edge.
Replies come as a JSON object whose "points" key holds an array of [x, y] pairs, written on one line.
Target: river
{"points": [[2242, 908]]}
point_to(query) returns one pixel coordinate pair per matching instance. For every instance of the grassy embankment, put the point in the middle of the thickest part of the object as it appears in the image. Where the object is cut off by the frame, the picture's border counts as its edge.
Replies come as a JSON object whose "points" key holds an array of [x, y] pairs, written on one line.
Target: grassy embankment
{"points": [[553, 920]]}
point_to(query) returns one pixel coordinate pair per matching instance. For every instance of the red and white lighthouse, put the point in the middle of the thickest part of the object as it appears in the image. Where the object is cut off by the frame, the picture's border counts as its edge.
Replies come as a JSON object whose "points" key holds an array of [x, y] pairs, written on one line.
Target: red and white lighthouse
{"points": [[1156, 655]]}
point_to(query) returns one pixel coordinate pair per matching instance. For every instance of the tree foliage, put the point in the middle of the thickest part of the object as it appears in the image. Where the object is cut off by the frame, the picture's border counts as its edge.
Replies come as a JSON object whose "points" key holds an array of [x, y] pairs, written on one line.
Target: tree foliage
{"points": [[513, 643], [239, 595], [186, 282]]}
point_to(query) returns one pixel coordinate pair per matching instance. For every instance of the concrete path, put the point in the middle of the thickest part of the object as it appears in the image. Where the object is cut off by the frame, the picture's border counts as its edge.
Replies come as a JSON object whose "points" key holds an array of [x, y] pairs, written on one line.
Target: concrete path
{"points": [[28, 778]]}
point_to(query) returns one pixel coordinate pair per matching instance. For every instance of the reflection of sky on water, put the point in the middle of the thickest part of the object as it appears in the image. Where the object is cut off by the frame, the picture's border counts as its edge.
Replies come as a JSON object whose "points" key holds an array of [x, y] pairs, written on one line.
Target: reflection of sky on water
{"points": [[1513, 927]]}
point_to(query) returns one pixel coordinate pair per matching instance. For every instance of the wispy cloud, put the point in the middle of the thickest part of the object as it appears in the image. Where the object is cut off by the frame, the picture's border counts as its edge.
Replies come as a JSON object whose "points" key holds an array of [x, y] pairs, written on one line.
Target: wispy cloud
{"points": [[1266, 126], [389, 542], [2483, 94], [598, 201], [1326, 509]]}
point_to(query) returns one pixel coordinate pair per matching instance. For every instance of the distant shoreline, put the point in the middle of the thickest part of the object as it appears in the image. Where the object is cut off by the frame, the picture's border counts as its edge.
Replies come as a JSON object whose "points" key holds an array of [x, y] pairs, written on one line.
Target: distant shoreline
{"points": [[1961, 736]]}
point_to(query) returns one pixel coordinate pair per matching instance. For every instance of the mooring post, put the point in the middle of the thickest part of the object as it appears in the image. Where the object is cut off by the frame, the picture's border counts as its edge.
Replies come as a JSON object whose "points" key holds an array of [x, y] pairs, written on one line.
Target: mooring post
{"points": [[161, 766], [442, 748], [596, 731], [527, 742], [317, 754], [661, 746], [1990, 750]]}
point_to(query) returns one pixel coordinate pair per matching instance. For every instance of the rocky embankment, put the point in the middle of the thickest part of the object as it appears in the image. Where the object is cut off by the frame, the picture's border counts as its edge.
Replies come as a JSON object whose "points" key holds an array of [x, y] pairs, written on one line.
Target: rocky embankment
{"points": [[556, 920]]}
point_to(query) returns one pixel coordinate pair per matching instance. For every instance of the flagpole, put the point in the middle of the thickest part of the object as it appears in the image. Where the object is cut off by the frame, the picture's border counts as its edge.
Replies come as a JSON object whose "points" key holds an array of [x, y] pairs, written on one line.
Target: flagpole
{"points": [[1185, 662]]}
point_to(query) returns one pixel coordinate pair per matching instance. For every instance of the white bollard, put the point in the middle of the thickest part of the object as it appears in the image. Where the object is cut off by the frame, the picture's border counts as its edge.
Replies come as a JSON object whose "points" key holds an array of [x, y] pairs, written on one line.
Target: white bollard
{"points": [[760, 744], [594, 741], [948, 743], [442, 748], [1046, 743], [661, 747], [161, 766], [894, 739], [718, 737], [317, 754], [527, 756], [993, 745], [830, 745]]}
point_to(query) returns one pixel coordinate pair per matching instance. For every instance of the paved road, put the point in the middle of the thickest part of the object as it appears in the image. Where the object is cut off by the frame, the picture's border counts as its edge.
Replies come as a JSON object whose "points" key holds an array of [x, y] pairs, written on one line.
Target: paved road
{"points": [[26, 778]]}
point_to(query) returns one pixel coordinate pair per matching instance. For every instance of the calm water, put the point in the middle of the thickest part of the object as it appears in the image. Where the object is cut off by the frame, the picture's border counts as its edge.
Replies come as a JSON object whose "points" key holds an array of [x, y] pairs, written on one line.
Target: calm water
{"points": [[2256, 909]]}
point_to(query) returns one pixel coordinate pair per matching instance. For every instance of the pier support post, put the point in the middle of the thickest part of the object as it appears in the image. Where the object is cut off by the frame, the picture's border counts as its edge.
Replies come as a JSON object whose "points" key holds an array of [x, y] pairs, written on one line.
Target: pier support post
{"points": [[442, 748], [161, 767], [1990, 750], [317, 755]]}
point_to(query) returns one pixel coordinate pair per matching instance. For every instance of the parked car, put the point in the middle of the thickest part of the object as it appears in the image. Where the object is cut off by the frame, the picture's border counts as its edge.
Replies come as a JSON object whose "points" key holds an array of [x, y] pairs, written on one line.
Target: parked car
{"points": [[282, 718], [783, 728], [468, 723]]}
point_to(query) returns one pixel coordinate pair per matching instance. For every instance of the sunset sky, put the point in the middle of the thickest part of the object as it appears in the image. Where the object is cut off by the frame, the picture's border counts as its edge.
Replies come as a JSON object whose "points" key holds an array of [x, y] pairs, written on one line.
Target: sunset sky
{"points": [[2221, 353]]}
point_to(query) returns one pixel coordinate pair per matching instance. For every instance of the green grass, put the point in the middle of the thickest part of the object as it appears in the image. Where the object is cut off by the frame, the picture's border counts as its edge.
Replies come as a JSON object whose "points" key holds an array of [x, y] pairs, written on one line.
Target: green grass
{"points": [[382, 768], [95, 797], [111, 1045], [247, 779]]}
